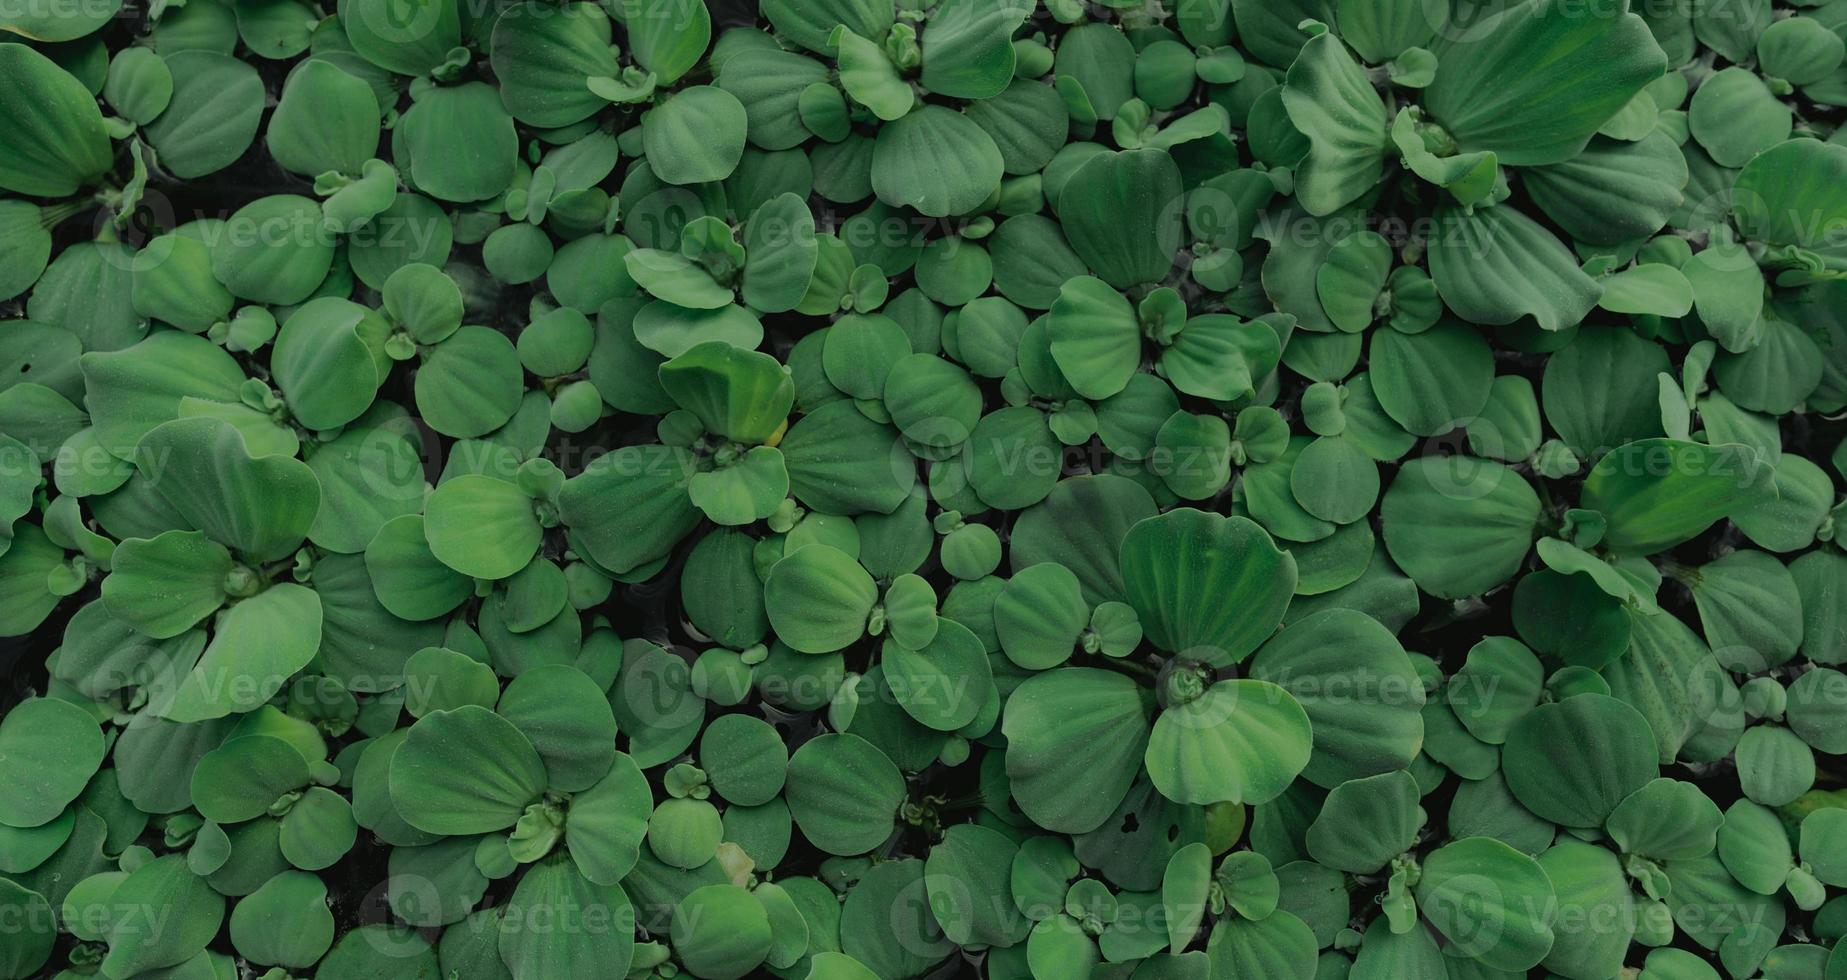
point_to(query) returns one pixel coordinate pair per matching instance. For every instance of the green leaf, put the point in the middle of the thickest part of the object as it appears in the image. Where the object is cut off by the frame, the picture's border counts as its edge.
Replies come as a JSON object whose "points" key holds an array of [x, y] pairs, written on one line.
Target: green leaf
{"points": [[1061, 790], [1573, 761], [665, 37], [1648, 290], [55, 140], [1791, 194], [58, 24], [781, 254], [554, 891], [968, 49], [1614, 191], [1358, 686], [972, 862], [1438, 508], [163, 586], [869, 76], [49, 749], [190, 913], [1206, 587], [1095, 337], [1242, 741], [1493, 904], [260, 643], [1332, 102], [809, 22], [607, 822], [744, 491], [1735, 116], [1657, 493], [470, 384], [326, 120], [458, 143], [481, 526], [329, 361], [937, 161], [273, 250], [844, 793], [1534, 81], [1221, 357], [1496, 265], [1667, 820], [818, 599], [285, 923], [677, 279], [213, 116], [696, 135], [1122, 213], [629, 508], [1366, 822], [465, 771], [542, 62]]}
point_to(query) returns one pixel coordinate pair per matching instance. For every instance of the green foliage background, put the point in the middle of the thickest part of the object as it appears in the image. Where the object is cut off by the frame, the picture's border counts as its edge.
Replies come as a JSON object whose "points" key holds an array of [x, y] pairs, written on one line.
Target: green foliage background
{"points": [[842, 489]]}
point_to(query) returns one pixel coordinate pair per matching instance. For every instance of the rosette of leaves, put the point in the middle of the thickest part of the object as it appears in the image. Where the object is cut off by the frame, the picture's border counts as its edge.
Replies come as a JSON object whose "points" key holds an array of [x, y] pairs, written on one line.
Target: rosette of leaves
{"points": [[925, 155], [697, 289], [227, 545], [1239, 740], [1571, 107], [1475, 898], [719, 459], [561, 69], [530, 780], [1236, 906], [1097, 338]]}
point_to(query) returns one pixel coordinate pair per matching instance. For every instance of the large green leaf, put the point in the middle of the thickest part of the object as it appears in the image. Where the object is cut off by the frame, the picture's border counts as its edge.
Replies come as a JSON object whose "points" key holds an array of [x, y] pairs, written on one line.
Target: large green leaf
{"points": [[1122, 213], [1359, 688], [189, 913], [596, 931], [844, 793], [325, 120], [1334, 104], [1441, 507], [1492, 903], [1062, 790], [259, 645], [818, 599], [1207, 587], [696, 135], [258, 506], [213, 118], [1573, 761], [1791, 194], [1534, 81], [481, 526], [1241, 741], [629, 508], [1095, 337], [937, 161], [543, 58], [1657, 493], [52, 138], [665, 37], [48, 750], [465, 771], [1496, 265], [165, 585], [809, 22], [968, 47]]}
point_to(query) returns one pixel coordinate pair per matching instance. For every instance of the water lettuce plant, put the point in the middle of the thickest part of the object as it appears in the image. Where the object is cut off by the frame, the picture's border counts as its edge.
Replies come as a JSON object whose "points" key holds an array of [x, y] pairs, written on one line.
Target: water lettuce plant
{"points": [[888, 489]]}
